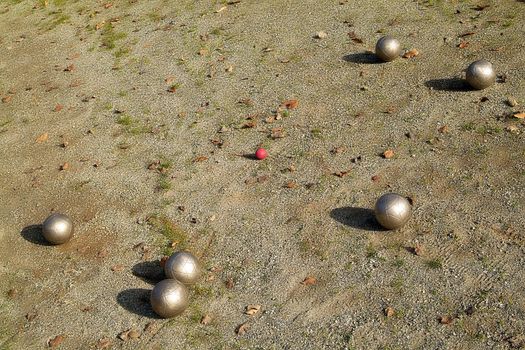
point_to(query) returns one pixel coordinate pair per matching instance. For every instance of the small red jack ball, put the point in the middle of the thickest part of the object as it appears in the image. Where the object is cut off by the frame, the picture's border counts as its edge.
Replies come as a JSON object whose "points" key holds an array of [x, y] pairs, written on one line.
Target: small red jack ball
{"points": [[261, 154]]}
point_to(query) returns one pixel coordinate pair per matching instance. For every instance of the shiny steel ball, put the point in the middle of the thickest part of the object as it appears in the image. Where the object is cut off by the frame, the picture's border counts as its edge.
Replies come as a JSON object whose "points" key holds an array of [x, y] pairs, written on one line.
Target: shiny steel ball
{"points": [[388, 48], [169, 298], [392, 211], [481, 74], [57, 228], [183, 266]]}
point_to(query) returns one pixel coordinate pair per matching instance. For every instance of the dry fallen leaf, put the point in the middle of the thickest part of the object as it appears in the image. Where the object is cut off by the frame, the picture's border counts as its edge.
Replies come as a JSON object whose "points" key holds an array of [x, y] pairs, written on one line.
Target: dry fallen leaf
{"points": [[42, 138], [388, 154], [7, 98], [290, 104], [104, 343], [342, 173], [243, 328], [520, 115], [134, 334], [446, 319], [58, 107], [69, 68], [463, 44], [117, 268], [376, 178], [56, 341], [443, 129], [411, 53], [309, 281], [206, 319], [64, 166], [291, 184], [389, 311], [221, 9], [200, 159], [418, 250], [252, 309], [353, 36], [277, 133]]}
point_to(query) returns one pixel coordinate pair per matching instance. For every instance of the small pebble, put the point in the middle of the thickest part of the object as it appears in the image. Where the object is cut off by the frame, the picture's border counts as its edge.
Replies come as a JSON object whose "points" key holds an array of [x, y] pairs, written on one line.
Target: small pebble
{"points": [[511, 101], [321, 35]]}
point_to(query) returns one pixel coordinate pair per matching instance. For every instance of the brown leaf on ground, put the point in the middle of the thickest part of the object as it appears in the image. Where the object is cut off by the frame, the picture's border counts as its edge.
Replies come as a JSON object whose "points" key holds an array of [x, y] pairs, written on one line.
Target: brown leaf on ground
{"points": [[206, 319], [200, 159], [163, 260], [309, 281], [108, 5], [250, 124], [290, 104], [444, 129], [229, 283], [12, 293], [56, 341], [519, 115], [117, 268], [291, 184], [246, 101], [388, 154], [342, 173], [30, 316], [69, 68], [134, 334], [42, 138], [376, 178], [7, 99], [418, 250], [277, 133], [353, 36], [242, 329], [58, 107], [411, 53], [99, 25], [151, 327], [389, 311], [446, 319], [338, 150], [104, 343], [169, 79], [252, 309], [463, 44], [64, 166], [203, 52]]}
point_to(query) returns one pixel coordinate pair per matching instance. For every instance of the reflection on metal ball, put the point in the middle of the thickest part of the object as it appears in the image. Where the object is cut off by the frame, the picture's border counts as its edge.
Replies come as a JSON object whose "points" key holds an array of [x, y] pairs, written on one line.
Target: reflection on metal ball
{"points": [[481, 74], [57, 228], [169, 298], [388, 48], [392, 211], [183, 266]]}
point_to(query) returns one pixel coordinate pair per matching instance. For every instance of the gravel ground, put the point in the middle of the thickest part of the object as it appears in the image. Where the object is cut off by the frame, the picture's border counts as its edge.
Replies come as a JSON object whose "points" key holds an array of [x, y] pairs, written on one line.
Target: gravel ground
{"points": [[139, 120]]}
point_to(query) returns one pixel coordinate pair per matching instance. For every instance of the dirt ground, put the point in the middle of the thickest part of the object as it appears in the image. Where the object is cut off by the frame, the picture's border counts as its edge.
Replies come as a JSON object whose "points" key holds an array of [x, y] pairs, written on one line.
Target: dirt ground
{"points": [[139, 120]]}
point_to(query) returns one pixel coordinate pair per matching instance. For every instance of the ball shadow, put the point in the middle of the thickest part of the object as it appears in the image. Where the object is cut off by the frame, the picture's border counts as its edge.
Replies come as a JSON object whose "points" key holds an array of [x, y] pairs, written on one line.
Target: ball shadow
{"points": [[363, 58], [361, 218], [250, 156], [136, 300], [448, 84], [149, 271], [33, 234]]}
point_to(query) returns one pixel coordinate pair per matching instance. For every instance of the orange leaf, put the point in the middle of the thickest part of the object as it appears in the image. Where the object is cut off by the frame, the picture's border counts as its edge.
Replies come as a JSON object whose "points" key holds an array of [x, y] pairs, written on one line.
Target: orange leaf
{"points": [[411, 53], [520, 115], [290, 104], [200, 159], [56, 341], [388, 154], [309, 281], [42, 138]]}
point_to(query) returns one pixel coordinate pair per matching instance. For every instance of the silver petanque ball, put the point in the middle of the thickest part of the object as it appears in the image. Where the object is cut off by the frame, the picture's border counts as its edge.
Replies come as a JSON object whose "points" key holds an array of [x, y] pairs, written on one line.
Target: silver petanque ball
{"points": [[392, 211], [169, 298], [388, 48], [57, 228], [183, 266], [481, 74]]}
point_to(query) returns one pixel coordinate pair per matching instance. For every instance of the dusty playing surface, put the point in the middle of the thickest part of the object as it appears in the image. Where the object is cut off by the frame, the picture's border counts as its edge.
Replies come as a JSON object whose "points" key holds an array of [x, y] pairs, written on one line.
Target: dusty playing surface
{"points": [[139, 119]]}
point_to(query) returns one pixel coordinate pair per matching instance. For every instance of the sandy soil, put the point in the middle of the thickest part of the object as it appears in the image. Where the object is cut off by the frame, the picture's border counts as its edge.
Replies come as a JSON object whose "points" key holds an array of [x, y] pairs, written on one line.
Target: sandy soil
{"points": [[139, 118]]}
